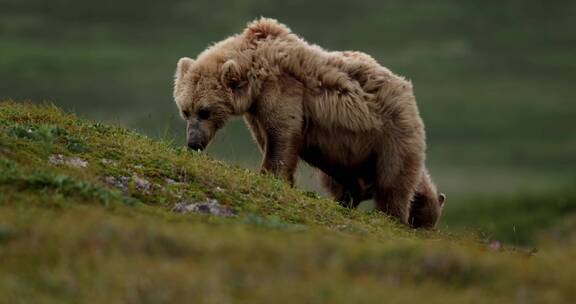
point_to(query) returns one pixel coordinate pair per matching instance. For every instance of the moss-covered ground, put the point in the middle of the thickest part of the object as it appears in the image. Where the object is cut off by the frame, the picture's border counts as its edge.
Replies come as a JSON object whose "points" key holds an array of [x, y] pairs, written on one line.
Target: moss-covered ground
{"points": [[87, 216]]}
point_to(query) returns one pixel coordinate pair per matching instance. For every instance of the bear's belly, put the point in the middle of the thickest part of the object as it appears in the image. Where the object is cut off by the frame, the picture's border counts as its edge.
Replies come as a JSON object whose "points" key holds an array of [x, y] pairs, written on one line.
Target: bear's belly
{"points": [[342, 156]]}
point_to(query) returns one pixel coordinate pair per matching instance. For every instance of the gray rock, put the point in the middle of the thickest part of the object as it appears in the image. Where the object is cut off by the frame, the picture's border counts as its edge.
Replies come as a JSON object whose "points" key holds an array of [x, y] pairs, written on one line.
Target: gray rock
{"points": [[108, 162], [210, 206], [59, 159], [142, 184], [118, 182], [170, 181], [122, 183]]}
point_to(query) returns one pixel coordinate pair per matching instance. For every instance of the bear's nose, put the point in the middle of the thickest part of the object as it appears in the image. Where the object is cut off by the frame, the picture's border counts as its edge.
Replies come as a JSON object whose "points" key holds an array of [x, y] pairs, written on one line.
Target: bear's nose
{"points": [[195, 146]]}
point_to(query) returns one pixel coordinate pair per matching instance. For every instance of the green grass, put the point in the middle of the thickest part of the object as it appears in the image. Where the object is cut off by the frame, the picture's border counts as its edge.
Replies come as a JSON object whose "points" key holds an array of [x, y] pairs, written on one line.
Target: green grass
{"points": [[517, 219], [69, 236]]}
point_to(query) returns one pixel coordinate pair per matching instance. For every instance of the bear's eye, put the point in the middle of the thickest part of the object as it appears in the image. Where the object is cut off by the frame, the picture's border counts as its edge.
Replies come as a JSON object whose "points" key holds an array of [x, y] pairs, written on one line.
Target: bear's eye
{"points": [[186, 113], [204, 114]]}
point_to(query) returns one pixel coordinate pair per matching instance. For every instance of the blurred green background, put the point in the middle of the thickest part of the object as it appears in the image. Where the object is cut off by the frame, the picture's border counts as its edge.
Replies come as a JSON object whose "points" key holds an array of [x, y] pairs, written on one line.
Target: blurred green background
{"points": [[494, 80]]}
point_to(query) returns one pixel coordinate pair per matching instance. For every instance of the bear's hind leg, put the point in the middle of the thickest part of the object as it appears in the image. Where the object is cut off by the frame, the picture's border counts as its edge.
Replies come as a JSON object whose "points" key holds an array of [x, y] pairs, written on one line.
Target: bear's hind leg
{"points": [[348, 195]]}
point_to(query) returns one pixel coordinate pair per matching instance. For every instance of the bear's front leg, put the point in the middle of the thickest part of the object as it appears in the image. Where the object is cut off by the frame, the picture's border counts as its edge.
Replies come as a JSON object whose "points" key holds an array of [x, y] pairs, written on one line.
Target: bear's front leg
{"points": [[279, 116], [397, 178], [281, 155]]}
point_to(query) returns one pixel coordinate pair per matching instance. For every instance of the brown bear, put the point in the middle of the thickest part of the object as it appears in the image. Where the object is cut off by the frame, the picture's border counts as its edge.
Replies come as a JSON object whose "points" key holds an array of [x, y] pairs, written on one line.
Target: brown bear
{"points": [[341, 112]]}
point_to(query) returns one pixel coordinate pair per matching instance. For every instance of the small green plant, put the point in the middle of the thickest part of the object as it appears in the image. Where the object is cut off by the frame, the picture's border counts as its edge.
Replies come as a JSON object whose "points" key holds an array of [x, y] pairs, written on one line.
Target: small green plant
{"points": [[6, 234], [75, 145], [42, 133]]}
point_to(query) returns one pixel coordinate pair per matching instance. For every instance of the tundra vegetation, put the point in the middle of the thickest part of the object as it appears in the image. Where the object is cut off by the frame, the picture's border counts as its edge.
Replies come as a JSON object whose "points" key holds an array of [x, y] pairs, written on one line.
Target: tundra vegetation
{"points": [[91, 213], [84, 218]]}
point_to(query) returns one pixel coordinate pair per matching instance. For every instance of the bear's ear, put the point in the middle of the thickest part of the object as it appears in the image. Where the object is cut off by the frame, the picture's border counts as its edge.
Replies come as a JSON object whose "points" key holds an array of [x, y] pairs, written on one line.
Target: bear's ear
{"points": [[442, 199], [264, 28], [231, 76], [183, 66]]}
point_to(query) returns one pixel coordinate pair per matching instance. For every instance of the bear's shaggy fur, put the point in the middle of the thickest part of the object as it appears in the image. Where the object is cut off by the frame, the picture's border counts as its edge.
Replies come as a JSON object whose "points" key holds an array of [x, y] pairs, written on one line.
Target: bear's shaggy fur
{"points": [[341, 112]]}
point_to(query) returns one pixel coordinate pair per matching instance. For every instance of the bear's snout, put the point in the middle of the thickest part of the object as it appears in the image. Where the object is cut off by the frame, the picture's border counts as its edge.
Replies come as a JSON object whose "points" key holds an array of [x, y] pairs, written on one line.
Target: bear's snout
{"points": [[196, 141], [195, 146]]}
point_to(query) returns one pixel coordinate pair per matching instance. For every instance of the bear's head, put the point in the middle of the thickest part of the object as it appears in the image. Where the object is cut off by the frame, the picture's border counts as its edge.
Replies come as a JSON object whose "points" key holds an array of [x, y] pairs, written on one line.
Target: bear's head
{"points": [[207, 92], [427, 204], [215, 86]]}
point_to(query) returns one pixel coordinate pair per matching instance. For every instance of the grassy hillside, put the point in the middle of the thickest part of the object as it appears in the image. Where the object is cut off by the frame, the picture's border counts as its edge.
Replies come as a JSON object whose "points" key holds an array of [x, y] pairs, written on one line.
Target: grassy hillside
{"points": [[93, 213]]}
